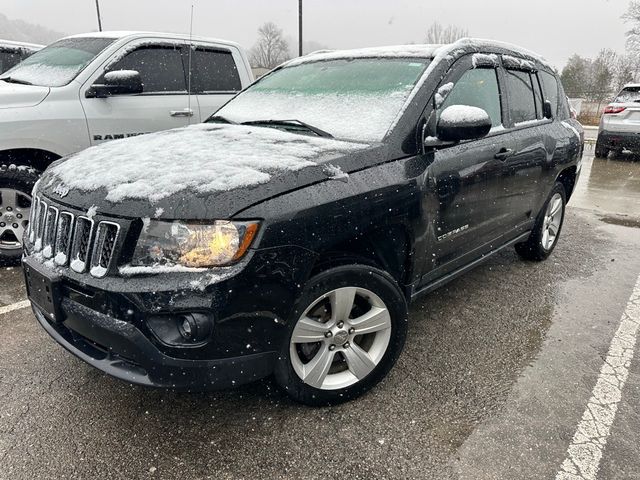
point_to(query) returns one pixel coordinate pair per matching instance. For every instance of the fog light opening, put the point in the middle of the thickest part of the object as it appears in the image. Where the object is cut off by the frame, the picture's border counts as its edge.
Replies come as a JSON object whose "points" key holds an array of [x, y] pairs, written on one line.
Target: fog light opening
{"points": [[194, 328], [187, 328]]}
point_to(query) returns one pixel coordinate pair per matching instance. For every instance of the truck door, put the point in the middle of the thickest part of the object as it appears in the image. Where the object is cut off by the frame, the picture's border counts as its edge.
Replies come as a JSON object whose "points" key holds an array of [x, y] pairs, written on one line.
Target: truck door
{"points": [[215, 78], [162, 105]]}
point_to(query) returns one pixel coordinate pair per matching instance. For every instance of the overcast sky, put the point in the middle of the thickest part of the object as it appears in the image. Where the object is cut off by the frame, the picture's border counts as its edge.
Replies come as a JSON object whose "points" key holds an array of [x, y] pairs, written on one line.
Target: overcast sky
{"points": [[554, 28]]}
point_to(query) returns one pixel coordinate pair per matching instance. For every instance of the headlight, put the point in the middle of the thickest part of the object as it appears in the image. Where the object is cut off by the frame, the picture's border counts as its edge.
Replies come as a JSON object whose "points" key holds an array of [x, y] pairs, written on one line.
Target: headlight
{"points": [[193, 244]]}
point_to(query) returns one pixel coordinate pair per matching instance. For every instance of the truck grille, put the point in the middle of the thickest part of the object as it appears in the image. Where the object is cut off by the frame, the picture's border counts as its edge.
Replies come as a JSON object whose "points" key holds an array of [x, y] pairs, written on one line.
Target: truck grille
{"points": [[75, 241]]}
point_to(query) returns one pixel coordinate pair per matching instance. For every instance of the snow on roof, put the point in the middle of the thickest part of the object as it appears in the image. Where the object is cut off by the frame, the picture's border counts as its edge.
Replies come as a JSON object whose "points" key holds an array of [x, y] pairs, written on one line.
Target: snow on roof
{"points": [[423, 51], [116, 34], [420, 51], [11, 43], [203, 158]]}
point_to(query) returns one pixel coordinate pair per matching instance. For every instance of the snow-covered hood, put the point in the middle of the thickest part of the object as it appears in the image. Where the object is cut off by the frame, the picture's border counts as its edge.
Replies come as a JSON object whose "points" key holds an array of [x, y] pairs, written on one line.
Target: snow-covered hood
{"points": [[204, 171], [14, 95]]}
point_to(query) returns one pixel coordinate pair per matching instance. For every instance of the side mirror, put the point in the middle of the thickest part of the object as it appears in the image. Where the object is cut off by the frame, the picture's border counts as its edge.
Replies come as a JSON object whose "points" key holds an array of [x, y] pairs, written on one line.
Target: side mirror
{"points": [[462, 122], [116, 82], [547, 111]]}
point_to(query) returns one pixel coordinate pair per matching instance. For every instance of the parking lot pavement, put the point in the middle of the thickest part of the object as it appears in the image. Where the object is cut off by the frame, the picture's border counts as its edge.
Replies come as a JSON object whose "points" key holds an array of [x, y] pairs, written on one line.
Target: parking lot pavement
{"points": [[498, 370]]}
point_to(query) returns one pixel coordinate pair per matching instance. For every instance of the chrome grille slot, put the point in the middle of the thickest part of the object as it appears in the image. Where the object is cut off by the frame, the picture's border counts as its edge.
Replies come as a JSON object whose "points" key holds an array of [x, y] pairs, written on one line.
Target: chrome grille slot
{"points": [[32, 216], [49, 234], [63, 238], [41, 216], [103, 248], [81, 244]]}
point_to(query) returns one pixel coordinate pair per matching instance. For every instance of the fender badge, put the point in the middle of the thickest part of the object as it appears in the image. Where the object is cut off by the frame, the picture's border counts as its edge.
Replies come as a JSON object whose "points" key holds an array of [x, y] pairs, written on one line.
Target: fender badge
{"points": [[61, 190]]}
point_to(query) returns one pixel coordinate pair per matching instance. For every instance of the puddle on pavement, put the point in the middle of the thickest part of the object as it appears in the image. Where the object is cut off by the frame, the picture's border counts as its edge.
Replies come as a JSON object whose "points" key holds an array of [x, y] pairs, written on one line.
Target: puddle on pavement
{"points": [[610, 186]]}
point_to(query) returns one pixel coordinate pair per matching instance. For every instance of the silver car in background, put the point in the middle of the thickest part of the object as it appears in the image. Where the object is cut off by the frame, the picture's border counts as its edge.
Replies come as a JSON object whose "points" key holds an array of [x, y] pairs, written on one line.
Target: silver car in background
{"points": [[620, 123]]}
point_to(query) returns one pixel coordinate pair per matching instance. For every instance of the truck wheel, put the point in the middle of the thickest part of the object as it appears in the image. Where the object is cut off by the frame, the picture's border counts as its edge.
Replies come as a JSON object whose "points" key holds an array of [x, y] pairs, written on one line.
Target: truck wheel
{"points": [[16, 184], [546, 231], [346, 332]]}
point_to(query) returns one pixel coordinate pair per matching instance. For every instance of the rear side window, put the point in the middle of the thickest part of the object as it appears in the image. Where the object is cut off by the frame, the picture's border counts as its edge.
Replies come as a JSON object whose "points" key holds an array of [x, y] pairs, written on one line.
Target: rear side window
{"points": [[214, 71], [477, 88], [160, 68], [521, 96], [550, 90], [628, 95]]}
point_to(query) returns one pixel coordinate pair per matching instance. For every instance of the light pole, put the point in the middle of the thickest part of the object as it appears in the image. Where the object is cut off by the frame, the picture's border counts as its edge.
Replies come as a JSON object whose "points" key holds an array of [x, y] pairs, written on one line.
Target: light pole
{"points": [[98, 12], [299, 27]]}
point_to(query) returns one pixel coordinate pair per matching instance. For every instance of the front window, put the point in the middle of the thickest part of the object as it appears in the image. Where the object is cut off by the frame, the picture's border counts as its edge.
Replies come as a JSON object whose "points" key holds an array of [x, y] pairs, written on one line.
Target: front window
{"points": [[352, 99], [59, 63]]}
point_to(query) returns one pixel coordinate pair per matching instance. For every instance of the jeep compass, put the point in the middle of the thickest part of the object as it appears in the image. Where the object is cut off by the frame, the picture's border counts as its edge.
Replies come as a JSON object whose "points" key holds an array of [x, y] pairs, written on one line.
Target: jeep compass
{"points": [[287, 234]]}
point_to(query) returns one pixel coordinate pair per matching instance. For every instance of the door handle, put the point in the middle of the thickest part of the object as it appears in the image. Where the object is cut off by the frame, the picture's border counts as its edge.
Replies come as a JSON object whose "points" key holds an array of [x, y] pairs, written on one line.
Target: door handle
{"points": [[187, 112], [504, 153]]}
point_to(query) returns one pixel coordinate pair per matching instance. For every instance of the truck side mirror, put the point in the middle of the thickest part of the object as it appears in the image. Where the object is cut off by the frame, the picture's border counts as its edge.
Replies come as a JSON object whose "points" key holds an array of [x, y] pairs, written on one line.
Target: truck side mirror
{"points": [[117, 82], [462, 122]]}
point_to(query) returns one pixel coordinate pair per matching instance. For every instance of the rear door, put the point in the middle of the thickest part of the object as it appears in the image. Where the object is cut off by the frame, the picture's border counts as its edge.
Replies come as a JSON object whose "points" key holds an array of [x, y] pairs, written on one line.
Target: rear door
{"points": [[532, 150], [162, 105], [215, 77]]}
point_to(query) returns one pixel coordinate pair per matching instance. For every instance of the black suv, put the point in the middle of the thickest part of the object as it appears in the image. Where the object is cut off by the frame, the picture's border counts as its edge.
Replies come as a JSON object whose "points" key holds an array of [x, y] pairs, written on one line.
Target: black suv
{"points": [[288, 233]]}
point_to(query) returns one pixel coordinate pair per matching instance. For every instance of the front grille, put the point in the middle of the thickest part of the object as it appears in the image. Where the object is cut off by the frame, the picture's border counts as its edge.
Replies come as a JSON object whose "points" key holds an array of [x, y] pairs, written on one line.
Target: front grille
{"points": [[74, 241]]}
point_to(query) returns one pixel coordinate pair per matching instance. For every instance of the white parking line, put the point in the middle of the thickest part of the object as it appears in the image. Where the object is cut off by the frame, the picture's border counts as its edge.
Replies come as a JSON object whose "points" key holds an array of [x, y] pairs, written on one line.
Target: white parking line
{"points": [[585, 452], [14, 306]]}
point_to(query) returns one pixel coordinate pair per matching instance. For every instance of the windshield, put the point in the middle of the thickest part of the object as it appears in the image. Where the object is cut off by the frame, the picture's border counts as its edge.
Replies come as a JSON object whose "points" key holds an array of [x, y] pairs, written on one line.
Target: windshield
{"points": [[628, 95], [355, 99], [59, 63]]}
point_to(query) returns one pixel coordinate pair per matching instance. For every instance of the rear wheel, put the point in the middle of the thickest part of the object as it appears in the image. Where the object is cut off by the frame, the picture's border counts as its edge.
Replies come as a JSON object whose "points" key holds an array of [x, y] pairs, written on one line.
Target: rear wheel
{"points": [[546, 231], [347, 331], [16, 184]]}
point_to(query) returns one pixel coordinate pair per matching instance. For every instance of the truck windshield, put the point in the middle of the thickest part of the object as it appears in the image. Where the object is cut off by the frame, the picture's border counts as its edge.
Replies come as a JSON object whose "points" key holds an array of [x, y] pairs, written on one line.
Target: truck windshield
{"points": [[352, 99], [59, 63]]}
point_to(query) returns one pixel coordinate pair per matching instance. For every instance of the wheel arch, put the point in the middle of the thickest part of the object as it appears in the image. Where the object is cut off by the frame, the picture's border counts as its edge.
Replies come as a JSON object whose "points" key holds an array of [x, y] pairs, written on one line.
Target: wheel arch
{"points": [[567, 178], [31, 157]]}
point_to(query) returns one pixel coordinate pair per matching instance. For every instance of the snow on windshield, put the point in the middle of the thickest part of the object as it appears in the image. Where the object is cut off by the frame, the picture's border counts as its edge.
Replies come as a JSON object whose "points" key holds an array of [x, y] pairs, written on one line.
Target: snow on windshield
{"points": [[353, 99], [59, 63], [202, 158]]}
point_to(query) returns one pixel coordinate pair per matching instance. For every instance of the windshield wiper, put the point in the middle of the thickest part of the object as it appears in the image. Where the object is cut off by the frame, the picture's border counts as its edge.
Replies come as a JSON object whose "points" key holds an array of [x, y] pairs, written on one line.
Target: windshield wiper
{"points": [[15, 80], [220, 119], [290, 123]]}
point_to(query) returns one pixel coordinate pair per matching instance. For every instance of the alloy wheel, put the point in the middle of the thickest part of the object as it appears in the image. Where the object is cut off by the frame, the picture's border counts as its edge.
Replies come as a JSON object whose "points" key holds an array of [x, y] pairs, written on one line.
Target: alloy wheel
{"points": [[340, 338], [552, 221], [15, 208]]}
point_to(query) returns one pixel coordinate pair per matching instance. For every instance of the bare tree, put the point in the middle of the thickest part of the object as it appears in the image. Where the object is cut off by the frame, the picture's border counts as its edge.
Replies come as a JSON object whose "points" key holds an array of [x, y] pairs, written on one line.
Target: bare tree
{"points": [[271, 49], [438, 34], [632, 17]]}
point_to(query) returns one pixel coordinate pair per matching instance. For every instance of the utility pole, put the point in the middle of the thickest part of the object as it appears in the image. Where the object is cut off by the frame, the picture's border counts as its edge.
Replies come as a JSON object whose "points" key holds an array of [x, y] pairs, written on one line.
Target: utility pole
{"points": [[98, 12], [299, 27]]}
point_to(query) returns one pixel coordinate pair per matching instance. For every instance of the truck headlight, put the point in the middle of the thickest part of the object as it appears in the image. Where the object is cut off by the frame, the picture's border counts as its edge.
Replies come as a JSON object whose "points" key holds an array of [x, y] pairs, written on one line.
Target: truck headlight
{"points": [[196, 245]]}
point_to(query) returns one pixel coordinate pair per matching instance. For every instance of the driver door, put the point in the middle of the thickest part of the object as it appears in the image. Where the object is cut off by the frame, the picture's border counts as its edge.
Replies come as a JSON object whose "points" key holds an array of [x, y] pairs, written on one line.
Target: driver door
{"points": [[162, 105], [466, 177]]}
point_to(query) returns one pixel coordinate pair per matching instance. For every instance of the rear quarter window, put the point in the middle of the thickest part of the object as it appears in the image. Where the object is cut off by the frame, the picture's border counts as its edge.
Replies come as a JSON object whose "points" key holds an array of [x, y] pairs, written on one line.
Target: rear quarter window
{"points": [[550, 90]]}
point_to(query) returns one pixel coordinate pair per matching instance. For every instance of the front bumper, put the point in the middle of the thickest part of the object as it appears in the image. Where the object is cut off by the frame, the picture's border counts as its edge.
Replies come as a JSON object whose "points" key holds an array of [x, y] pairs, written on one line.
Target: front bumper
{"points": [[131, 357], [618, 140], [108, 322]]}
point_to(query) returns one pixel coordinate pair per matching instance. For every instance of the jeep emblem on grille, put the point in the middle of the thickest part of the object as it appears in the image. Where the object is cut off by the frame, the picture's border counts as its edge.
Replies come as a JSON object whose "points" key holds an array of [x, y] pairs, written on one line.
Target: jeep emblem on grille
{"points": [[61, 190]]}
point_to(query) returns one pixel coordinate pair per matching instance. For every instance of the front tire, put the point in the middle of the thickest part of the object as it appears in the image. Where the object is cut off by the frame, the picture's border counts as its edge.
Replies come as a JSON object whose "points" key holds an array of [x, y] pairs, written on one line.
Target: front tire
{"points": [[346, 332], [16, 185], [546, 231]]}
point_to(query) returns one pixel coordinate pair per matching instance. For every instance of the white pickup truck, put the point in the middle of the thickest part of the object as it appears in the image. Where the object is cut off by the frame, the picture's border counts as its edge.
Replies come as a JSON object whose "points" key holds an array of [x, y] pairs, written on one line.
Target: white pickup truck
{"points": [[92, 88]]}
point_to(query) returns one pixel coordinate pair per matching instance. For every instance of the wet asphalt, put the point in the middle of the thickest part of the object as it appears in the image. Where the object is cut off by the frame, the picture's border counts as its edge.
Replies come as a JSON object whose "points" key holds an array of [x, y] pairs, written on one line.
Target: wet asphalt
{"points": [[496, 373]]}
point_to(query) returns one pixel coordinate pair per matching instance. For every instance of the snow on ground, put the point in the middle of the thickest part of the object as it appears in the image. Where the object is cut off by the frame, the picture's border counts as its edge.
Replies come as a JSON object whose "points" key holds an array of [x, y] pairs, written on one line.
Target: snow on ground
{"points": [[202, 158]]}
